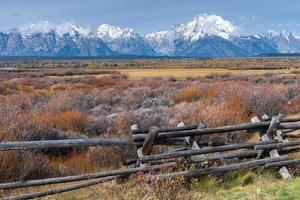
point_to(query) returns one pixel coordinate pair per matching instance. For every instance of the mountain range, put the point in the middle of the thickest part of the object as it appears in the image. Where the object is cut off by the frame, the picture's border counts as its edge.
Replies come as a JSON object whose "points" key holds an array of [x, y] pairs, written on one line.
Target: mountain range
{"points": [[203, 36]]}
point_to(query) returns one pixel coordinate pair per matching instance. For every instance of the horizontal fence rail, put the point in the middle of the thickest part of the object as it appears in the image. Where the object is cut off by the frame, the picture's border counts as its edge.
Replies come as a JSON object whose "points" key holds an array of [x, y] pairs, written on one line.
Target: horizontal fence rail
{"points": [[60, 190], [276, 146], [44, 144], [185, 128], [82, 177], [283, 163], [225, 168], [202, 151], [218, 130], [223, 156]]}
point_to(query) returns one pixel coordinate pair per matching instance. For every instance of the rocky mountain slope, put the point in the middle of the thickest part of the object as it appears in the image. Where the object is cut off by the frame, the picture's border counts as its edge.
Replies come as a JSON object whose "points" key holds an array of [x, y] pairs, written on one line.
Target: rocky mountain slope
{"points": [[203, 36]]}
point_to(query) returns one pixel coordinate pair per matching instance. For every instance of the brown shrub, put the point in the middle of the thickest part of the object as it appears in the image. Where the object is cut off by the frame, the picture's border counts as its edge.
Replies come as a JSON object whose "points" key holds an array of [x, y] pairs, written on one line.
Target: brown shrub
{"points": [[267, 99], [103, 82], [69, 120], [92, 160], [24, 165], [188, 94], [135, 96], [8, 87], [120, 125], [185, 112], [106, 157], [73, 163], [157, 116], [75, 100]]}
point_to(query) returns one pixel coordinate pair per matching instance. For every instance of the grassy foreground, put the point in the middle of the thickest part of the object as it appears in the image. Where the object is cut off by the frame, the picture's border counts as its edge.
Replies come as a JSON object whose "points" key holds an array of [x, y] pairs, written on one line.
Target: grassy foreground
{"points": [[246, 185]]}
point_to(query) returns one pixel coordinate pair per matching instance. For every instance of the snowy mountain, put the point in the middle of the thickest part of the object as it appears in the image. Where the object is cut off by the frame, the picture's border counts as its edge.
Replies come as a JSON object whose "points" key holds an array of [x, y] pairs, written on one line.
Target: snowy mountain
{"points": [[203, 36], [208, 46], [124, 41], [255, 45], [211, 35], [46, 39], [270, 42], [200, 27], [286, 41], [60, 29]]}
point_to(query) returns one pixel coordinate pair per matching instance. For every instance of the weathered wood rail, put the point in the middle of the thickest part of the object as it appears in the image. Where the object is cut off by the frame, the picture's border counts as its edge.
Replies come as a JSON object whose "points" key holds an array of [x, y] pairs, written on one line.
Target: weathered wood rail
{"points": [[60, 190], [82, 177], [225, 168], [44, 144], [272, 151], [219, 130], [201, 151], [185, 128]]}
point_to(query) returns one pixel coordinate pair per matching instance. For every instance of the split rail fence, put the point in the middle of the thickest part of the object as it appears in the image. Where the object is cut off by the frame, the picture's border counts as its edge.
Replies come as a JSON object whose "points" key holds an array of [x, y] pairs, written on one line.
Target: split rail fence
{"points": [[278, 140]]}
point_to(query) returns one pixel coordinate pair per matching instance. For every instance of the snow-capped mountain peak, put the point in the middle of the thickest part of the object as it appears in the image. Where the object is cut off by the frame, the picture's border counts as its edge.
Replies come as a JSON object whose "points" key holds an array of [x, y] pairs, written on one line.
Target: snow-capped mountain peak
{"points": [[286, 41], [124, 40], [199, 27], [60, 28], [283, 33], [109, 33], [209, 25]]}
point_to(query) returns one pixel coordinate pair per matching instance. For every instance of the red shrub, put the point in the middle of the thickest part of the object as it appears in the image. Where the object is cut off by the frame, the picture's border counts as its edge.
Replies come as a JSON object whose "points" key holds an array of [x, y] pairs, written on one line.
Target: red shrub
{"points": [[188, 94], [69, 120]]}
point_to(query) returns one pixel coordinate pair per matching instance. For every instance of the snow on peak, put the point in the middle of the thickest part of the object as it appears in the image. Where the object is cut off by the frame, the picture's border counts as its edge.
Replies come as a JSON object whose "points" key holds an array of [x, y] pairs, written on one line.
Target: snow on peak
{"points": [[200, 26], [205, 24], [282, 33], [60, 28], [109, 33]]}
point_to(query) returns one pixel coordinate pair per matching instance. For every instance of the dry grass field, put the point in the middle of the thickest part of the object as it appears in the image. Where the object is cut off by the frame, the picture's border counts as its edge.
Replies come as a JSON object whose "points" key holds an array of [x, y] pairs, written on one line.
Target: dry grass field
{"points": [[99, 101], [183, 73]]}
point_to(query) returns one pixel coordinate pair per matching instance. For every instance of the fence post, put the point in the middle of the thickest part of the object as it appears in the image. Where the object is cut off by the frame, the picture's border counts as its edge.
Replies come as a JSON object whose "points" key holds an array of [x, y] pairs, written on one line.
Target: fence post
{"points": [[192, 143], [139, 150], [275, 121], [150, 140]]}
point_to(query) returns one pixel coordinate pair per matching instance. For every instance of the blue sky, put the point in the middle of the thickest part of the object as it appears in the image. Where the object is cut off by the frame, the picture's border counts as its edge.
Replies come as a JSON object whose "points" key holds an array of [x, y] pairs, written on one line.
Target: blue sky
{"points": [[251, 16]]}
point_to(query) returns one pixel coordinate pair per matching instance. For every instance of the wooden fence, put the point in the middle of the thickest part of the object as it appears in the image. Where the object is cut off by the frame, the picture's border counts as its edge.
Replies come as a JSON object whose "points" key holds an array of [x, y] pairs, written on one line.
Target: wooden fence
{"points": [[271, 151]]}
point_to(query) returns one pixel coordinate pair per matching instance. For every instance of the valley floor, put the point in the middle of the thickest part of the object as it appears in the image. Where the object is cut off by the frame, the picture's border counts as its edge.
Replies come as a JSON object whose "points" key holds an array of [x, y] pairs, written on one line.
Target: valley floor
{"points": [[203, 72], [42, 104]]}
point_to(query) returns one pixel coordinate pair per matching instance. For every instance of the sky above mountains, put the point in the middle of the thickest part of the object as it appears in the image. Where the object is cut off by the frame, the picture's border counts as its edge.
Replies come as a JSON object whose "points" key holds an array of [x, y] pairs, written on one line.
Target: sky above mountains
{"points": [[250, 16]]}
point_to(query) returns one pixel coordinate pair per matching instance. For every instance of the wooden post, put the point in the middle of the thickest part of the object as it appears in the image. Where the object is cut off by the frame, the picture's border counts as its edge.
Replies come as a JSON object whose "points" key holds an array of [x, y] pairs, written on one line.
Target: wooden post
{"points": [[275, 121], [150, 140], [193, 145], [139, 151], [263, 136]]}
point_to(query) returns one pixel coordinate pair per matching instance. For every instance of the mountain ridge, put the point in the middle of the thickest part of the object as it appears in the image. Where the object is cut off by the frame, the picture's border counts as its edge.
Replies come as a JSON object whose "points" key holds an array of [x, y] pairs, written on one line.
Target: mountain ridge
{"points": [[203, 36]]}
